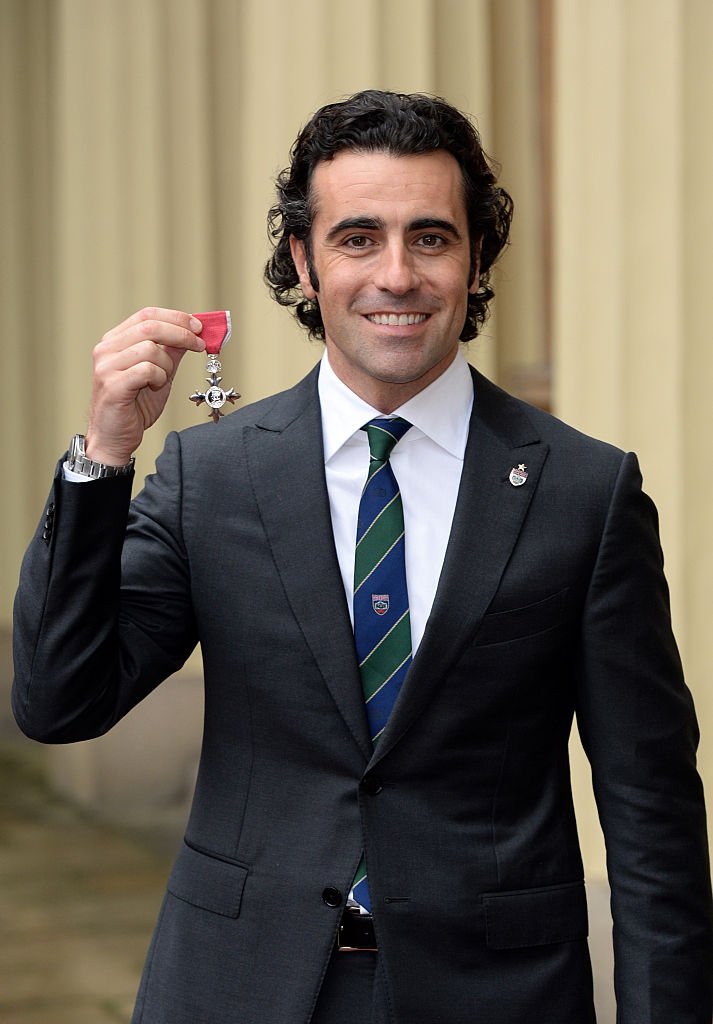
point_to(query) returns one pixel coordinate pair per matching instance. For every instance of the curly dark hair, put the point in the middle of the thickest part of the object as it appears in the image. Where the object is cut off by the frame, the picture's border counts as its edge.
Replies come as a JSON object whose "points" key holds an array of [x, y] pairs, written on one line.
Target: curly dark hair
{"points": [[402, 125]]}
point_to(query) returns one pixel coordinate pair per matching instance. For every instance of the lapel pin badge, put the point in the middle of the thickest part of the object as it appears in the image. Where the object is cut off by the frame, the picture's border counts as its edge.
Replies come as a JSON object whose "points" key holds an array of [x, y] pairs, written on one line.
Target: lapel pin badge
{"points": [[518, 475]]}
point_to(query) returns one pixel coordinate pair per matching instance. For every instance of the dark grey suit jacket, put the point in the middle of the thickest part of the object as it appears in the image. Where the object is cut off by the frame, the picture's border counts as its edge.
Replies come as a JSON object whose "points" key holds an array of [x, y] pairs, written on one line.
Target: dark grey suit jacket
{"points": [[552, 602]]}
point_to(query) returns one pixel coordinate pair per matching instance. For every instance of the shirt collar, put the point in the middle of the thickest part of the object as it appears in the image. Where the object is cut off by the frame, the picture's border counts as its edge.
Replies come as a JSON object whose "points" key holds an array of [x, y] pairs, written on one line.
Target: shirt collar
{"points": [[441, 411]]}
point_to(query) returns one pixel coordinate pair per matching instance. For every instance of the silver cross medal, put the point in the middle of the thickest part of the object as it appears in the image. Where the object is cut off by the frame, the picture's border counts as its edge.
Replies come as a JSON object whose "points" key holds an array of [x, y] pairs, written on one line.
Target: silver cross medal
{"points": [[216, 332]]}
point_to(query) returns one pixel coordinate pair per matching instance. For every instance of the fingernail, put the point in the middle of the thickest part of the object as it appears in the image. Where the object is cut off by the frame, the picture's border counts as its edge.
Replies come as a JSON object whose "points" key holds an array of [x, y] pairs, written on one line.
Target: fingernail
{"points": [[196, 325]]}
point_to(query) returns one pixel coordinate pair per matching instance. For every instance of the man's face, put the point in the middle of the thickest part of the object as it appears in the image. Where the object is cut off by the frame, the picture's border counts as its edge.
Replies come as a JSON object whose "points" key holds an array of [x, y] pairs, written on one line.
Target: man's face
{"points": [[391, 251]]}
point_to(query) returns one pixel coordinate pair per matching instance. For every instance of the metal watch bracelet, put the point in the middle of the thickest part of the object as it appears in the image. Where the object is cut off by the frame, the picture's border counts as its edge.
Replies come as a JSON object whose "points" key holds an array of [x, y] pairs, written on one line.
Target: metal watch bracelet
{"points": [[79, 462]]}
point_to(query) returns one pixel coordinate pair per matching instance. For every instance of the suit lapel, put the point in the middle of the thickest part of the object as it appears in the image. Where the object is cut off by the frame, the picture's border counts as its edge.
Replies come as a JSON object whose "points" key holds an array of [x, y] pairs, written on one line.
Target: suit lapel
{"points": [[285, 457], [488, 518]]}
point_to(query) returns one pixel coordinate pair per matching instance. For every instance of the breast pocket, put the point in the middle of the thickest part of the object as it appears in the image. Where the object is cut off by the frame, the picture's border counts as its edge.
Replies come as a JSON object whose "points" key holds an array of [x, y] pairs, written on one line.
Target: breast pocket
{"points": [[525, 621]]}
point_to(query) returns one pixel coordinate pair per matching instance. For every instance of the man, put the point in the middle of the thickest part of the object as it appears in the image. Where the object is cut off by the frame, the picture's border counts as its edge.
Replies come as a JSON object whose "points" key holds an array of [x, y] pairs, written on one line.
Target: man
{"points": [[522, 583]]}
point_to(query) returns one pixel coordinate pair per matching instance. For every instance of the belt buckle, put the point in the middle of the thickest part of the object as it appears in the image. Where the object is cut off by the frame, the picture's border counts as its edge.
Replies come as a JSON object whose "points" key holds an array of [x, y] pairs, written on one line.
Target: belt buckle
{"points": [[356, 932]]}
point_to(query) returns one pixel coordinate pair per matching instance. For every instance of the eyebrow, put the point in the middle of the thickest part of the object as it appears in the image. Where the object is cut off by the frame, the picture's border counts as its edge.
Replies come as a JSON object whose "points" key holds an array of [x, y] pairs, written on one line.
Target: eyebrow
{"points": [[355, 223], [426, 223], [377, 224]]}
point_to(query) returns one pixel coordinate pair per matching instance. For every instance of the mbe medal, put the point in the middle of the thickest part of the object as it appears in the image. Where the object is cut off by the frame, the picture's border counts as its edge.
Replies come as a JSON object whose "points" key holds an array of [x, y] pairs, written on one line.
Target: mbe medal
{"points": [[216, 331]]}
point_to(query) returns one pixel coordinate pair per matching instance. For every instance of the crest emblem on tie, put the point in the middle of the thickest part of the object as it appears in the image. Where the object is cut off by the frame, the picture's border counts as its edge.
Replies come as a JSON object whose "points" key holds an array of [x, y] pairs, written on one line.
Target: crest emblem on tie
{"points": [[380, 603], [518, 476]]}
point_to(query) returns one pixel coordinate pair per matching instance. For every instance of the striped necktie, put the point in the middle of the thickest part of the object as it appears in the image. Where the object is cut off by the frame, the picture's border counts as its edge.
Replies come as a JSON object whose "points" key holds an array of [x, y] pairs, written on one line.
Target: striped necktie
{"points": [[382, 627]]}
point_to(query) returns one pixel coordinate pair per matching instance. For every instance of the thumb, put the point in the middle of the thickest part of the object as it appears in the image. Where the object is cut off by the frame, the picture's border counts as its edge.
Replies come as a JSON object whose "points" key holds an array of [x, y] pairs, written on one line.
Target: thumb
{"points": [[176, 355]]}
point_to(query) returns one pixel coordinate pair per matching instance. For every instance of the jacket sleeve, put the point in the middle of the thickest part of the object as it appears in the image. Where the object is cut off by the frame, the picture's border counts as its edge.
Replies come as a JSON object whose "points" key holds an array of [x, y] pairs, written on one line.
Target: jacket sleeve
{"points": [[103, 611], [639, 730]]}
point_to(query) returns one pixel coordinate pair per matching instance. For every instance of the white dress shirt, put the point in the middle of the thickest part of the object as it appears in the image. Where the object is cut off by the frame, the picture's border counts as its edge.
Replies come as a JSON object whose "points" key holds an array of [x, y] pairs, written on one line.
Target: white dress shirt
{"points": [[427, 463]]}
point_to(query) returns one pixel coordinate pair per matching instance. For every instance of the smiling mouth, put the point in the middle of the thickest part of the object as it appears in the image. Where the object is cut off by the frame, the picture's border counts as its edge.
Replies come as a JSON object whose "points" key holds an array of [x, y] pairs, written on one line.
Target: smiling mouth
{"points": [[396, 319]]}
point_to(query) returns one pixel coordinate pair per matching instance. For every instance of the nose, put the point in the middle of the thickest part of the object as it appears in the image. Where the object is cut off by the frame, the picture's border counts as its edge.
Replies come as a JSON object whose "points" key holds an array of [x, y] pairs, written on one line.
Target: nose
{"points": [[396, 270]]}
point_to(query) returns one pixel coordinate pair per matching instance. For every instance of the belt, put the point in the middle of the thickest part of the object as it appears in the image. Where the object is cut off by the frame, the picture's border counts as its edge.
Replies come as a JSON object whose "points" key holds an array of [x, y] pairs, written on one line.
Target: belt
{"points": [[356, 932]]}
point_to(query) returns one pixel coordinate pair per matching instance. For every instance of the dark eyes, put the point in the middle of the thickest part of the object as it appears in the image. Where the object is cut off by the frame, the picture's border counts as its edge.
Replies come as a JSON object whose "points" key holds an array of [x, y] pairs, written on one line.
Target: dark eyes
{"points": [[424, 241], [357, 242], [431, 241]]}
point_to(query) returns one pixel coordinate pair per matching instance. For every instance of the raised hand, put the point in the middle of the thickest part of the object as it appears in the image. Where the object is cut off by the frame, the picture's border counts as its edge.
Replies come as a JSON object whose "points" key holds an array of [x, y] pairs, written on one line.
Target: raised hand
{"points": [[134, 367]]}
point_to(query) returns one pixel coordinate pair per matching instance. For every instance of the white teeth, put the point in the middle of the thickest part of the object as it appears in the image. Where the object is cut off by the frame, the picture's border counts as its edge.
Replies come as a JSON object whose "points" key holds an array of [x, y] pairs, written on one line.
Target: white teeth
{"points": [[396, 319]]}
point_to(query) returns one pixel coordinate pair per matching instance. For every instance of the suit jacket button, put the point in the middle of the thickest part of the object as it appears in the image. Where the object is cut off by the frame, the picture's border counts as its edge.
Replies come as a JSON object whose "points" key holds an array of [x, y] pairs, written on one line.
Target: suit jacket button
{"points": [[372, 785], [332, 897]]}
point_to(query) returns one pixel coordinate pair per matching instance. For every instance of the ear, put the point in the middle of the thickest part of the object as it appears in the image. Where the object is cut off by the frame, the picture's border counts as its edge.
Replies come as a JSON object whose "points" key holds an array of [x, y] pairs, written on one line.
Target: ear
{"points": [[299, 258], [475, 283]]}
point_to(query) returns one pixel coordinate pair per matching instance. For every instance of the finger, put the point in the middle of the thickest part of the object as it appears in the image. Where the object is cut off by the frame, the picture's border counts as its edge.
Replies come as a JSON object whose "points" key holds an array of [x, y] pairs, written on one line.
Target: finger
{"points": [[175, 355], [108, 362], [159, 324], [136, 345], [163, 333], [143, 375], [167, 358]]}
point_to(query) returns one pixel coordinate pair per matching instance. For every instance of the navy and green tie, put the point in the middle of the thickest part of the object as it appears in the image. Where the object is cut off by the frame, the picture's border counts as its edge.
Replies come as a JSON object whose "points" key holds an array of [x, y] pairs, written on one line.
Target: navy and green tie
{"points": [[382, 627]]}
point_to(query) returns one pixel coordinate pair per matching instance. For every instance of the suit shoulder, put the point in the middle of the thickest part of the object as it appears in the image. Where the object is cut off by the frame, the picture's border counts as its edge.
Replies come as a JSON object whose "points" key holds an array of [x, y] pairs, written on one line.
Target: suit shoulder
{"points": [[498, 404], [556, 431]]}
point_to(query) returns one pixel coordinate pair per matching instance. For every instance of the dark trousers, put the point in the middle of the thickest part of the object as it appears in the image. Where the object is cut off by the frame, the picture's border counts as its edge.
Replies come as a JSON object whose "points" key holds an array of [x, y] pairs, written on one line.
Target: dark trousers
{"points": [[348, 991]]}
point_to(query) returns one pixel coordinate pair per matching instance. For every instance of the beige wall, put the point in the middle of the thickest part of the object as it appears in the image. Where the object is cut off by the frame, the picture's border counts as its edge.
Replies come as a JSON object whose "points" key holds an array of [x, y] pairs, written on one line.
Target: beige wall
{"points": [[634, 255], [140, 139], [144, 139]]}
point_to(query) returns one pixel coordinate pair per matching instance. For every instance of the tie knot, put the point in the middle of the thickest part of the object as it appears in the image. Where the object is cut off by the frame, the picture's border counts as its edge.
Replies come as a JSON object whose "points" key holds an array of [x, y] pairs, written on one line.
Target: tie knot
{"points": [[383, 435]]}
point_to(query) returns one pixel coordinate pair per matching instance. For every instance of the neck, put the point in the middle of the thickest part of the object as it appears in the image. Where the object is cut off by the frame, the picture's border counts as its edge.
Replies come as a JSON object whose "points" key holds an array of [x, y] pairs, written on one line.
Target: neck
{"points": [[385, 395]]}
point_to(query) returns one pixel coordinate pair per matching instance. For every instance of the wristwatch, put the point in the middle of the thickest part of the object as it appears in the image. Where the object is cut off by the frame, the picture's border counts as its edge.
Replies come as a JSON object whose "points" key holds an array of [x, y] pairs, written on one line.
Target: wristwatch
{"points": [[78, 462]]}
